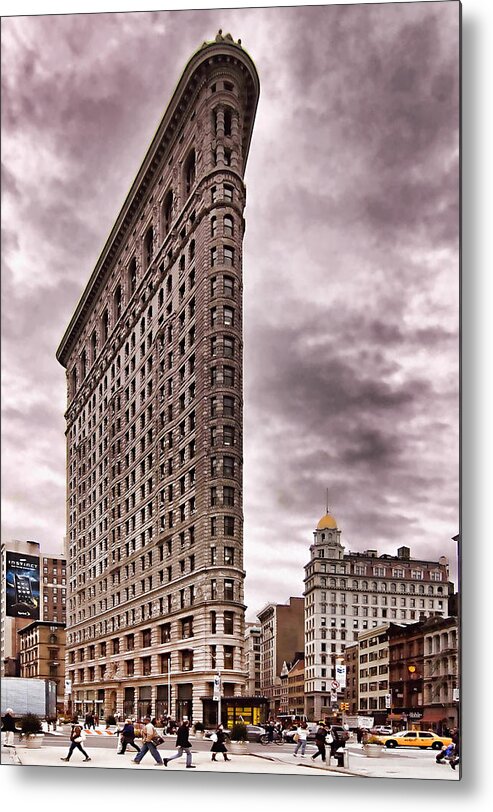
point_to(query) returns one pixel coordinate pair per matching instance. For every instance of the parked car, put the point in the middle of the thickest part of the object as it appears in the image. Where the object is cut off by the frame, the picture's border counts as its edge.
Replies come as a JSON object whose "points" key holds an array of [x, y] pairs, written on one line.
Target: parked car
{"points": [[415, 738], [254, 733], [382, 730]]}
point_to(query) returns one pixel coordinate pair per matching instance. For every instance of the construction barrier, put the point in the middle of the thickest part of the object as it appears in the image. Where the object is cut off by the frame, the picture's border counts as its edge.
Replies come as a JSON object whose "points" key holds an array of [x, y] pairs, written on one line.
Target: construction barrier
{"points": [[101, 732]]}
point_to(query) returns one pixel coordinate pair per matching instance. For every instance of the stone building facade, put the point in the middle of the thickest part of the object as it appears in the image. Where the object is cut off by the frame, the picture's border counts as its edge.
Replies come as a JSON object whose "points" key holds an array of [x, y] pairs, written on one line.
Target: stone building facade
{"points": [[42, 654], [349, 593], [153, 357], [252, 658]]}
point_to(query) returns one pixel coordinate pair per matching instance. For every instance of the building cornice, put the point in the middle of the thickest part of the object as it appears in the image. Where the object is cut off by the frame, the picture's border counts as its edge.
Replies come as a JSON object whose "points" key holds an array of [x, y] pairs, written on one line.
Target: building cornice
{"points": [[210, 54]]}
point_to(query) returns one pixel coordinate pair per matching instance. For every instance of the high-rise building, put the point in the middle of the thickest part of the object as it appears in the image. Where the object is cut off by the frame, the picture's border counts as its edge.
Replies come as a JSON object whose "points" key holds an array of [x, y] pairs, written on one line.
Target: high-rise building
{"points": [[282, 641], [348, 593], [33, 588], [252, 658], [53, 588], [153, 357]]}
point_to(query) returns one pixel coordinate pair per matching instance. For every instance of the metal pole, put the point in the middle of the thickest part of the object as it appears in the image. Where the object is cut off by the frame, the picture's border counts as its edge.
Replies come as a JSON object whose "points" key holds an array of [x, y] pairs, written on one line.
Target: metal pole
{"points": [[219, 700], [169, 687]]}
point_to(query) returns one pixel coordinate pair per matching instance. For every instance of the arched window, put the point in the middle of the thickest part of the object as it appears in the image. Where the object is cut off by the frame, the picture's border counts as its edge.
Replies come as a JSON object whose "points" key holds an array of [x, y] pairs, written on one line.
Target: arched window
{"points": [[167, 212], [214, 122], [83, 364], [117, 299], [105, 322], [228, 120], [148, 246], [228, 226], [132, 276], [190, 172]]}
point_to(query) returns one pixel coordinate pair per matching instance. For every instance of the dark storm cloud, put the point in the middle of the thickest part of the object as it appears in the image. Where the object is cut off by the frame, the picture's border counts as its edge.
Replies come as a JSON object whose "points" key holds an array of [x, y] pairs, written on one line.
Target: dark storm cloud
{"points": [[350, 259]]}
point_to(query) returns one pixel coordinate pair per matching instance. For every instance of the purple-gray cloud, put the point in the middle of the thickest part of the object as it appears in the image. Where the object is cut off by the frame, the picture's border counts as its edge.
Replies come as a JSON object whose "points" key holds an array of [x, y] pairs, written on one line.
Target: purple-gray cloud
{"points": [[350, 260]]}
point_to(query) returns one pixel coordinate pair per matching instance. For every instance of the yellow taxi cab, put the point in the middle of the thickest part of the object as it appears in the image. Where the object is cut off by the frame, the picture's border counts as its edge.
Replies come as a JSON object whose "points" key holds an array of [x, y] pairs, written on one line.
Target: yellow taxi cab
{"points": [[415, 738]]}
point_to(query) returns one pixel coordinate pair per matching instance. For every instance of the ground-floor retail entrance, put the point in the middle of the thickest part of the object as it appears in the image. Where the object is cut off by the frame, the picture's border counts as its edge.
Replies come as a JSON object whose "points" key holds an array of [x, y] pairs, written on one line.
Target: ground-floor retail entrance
{"points": [[253, 710], [179, 699]]}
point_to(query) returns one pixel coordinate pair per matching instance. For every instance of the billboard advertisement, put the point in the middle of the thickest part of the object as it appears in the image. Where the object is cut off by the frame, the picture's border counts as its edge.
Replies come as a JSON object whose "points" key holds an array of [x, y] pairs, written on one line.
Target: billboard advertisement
{"points": [[22, 587]]}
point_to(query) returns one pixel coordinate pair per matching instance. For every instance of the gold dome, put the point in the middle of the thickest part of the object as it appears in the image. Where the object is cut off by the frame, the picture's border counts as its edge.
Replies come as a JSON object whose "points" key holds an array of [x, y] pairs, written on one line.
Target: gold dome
{"points": [[327, 522]]}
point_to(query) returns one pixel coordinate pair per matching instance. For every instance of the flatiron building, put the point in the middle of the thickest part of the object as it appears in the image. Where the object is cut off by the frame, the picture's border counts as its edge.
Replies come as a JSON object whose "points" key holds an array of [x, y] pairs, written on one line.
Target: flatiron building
{"points": [[153, 359]]}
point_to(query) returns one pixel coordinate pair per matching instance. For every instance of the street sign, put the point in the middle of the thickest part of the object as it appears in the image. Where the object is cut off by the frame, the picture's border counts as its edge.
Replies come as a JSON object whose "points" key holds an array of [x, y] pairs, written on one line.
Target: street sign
{"points": [[341, 675], [333, 697], [217, 688], [388, 700], [455, 694], [68, 686], [335, 685]]}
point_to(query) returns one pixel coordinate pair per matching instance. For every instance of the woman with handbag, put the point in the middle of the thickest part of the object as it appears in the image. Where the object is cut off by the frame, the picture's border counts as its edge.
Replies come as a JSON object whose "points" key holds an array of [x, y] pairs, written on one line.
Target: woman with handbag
{"points": [[218, 745], [76, 739], [301, 738]]}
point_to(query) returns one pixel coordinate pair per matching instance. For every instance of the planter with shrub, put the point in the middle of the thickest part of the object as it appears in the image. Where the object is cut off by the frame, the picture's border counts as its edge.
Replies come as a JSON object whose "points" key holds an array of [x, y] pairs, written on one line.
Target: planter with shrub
{"points": [[31, 730], [199, 730], [372, 747]]}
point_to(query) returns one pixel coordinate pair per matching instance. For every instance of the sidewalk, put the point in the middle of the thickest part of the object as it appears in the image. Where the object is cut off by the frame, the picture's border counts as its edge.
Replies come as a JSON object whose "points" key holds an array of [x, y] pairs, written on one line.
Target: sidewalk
{"points": [[251, 763], [390, 765]]}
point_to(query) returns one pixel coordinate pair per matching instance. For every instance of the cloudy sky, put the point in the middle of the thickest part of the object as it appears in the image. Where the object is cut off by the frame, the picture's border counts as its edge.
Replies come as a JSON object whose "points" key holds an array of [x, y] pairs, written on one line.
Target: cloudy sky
{"points": [[350, 260]]}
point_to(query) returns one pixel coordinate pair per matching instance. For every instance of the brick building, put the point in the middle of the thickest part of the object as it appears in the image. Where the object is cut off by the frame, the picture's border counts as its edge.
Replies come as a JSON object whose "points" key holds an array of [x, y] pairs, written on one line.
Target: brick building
{"points": [[153, 359], [281, 638]]}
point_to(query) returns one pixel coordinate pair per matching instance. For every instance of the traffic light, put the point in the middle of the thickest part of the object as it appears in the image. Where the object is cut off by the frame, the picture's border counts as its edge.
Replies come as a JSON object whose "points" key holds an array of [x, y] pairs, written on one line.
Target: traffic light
{"points": [[344, 706]]}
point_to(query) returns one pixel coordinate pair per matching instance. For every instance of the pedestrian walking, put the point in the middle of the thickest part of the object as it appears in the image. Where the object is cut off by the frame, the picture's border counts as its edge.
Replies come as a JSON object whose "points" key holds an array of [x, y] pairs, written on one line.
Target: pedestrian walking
{"points": [[76, 739], [359, 735], [445, 753], [127, 737], [456, 741], [183, 745], [89, 721], [150, 739], [320, 742], [8, 727], [301, 738], [218, 744]]}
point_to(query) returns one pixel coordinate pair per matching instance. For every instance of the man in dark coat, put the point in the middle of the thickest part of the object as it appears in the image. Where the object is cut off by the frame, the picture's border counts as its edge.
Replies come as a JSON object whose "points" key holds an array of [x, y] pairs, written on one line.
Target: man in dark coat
{"points": [[128, 737], [182, 745], [8, 727], [320, 742]]}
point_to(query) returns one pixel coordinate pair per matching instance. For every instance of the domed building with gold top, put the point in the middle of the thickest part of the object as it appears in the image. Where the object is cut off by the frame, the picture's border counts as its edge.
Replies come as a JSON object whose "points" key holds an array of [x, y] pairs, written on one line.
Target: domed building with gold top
{"points": [[347, 595]]}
